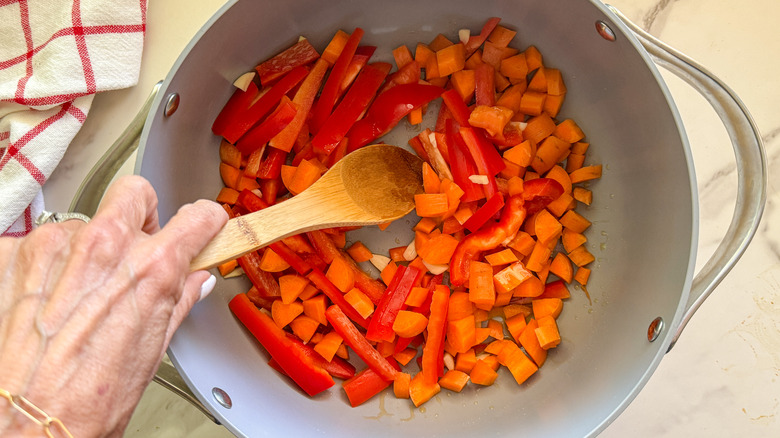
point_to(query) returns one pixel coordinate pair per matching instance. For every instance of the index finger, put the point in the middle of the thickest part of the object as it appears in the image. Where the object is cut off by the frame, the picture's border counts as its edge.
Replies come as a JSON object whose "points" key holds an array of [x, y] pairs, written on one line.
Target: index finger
{"points": [[192, 227], [131, 199]]}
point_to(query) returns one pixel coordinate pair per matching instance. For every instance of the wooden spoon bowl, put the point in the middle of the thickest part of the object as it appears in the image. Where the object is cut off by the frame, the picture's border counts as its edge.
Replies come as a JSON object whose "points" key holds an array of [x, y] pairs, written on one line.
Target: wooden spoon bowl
{"points": [[373, 185]]}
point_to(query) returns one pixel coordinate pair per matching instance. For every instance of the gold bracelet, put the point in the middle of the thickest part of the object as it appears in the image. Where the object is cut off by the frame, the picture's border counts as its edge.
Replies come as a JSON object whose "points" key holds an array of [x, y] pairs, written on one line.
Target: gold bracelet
{"points": [[35, 414]]}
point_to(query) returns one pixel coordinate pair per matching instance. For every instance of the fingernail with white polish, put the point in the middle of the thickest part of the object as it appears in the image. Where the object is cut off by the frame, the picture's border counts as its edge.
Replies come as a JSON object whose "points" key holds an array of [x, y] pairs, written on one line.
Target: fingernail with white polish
{"points": [[207, 287]]}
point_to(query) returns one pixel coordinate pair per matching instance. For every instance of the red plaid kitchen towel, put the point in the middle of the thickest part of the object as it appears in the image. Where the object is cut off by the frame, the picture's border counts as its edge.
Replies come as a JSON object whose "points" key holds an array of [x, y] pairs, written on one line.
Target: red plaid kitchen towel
{"points": [[54, 56]]}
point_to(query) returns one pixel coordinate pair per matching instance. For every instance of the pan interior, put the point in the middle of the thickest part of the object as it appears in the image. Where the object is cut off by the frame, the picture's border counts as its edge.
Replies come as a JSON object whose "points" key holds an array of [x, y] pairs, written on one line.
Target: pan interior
{"points": [[642, 235]]}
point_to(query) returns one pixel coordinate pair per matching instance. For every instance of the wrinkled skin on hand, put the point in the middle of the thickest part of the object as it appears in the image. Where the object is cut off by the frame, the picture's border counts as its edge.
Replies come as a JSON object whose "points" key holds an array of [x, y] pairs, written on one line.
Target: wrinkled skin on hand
{"points": [[87, 310]]}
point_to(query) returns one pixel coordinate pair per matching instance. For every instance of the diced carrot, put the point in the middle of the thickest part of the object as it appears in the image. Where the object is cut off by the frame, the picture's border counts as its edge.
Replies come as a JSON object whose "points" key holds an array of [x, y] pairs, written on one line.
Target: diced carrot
{"points": [[548, 154], [530, 343], [360, 302], [464, 83], [516, 324], [227, 267], [284, 314], [384, 226], [340, 273], [292, 286], [559, 174], [575, 221], [512, 97], [422, 53], [397, 253], [439, 42], [586, 173], [496, 329], [430, 204], [359, 252], [459, 306], [555, 85], [461, 333], [416, 116], [438, 250], [405, 356], [227, 196], [507, 279], [538, 257], [431, 181], [401, 385], [580, 148], [561, 266], [572, 239], [582, 275], [272, 262], [451, 59], [501, 82], [335, 46], [503, 257], [481, 289], [314, 307], [493, 54], [305, 175], [538, 128], [454, 380], [481, 334], [547, 307], [501, 36], [568, 130], [534, 58], [389, 271], [519, 365], [426, 225], [552, 104], [304, 327], [328, 345], [408, 323], [547, 333], [516, 309], [421, 390], [547, 227], [583, 195], [417, 296], [454, 193], [581, 256], [230, 175], [475, 60], [539, 81], [402, 56], [483, 374], [229, 154], [465, 361], [514, 66], [532, 103]]}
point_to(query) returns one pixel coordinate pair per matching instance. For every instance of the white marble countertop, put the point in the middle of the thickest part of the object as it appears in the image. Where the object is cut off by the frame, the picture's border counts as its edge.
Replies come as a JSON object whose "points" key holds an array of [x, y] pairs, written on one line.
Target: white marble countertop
{"points": [[721, 379]]}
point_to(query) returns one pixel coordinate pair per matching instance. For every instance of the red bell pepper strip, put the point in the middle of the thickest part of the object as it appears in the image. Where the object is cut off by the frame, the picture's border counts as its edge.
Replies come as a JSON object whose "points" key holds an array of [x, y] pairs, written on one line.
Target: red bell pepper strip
{"points": [[359, 60], [337, 367], [487, 238], [261, 105], [304, 98], [458, 110], [388, 109], [301, 53], [475, 41], [270, 189], [251, 201], [312, 378], [235, 108], [486, 156], [351, 107], [258, 136], [366, 384], [485, 212], [300, 265], [462, 165], [381, 327], [327, 100], [264, 282], [485, 79], [318, 278], [539, 192], [433, 351], [271, 167], [359, 344], [408, 74]]}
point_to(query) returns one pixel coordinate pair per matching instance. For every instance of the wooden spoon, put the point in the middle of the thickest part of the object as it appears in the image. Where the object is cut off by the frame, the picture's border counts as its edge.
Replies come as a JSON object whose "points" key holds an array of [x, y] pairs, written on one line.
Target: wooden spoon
{"points": [[373, 185]]}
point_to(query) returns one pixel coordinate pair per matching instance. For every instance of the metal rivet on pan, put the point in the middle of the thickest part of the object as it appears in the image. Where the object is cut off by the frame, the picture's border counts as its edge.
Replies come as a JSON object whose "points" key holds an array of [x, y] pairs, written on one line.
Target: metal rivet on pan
{"points": [[171, 104], [222, 397], [605, 31], [655, 329]]}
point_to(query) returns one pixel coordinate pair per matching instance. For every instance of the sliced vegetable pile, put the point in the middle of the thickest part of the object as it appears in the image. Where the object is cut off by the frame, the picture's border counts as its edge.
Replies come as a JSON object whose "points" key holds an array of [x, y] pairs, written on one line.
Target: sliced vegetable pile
{"points": [[502, 178]]}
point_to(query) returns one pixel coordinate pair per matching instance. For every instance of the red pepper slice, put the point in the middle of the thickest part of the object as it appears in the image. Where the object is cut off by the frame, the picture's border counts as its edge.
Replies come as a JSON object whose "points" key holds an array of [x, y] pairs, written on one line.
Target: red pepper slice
{"points": [[539, 192], [351, 107], [433, 351], [271, 167], [359, 344], [337, 367], [485, 79], [318, 278], [250, 201], [330, 90], [299, 54], [475, 41], [259, 106], [462, 165], [388, 109], [235, 108], [458, 110], [487, 238], [312, 378], [270, 189], [381, 327], [264, 282], [359, 60], [485, 212], [258, 136], [486, 156], [365, 385]]}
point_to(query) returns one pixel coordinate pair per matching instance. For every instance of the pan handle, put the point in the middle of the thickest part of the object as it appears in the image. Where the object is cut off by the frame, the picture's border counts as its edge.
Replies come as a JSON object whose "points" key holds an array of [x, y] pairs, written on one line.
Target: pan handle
{"points": [[749, 154], [88, 198]]}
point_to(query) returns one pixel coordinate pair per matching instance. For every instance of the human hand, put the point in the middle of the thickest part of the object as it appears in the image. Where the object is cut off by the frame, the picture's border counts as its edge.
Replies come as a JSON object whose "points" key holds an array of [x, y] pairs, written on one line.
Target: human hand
{"points": [[87, 310]]}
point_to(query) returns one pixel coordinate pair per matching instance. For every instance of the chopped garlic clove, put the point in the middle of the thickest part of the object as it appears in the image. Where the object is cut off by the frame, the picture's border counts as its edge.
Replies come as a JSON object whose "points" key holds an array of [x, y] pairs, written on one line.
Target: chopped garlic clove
{"points": [[449, 361], [243, 81], [410, 253], [435, 269], [234, 273], [464, 35], [379, 261], [479, 179]]}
